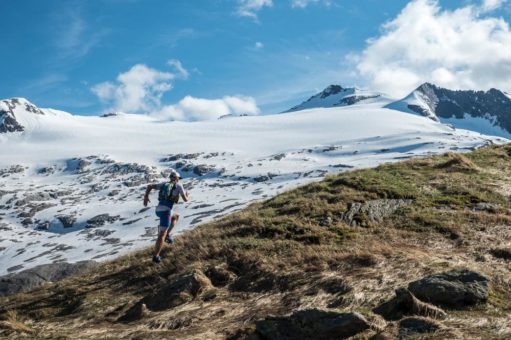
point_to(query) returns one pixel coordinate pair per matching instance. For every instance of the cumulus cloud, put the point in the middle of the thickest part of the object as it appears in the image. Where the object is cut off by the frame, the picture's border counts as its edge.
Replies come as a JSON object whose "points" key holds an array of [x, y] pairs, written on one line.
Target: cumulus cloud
{"points": [[181, 71], [195, 109], [460, 49], [249, 8], [138, 90], [258, 45]]}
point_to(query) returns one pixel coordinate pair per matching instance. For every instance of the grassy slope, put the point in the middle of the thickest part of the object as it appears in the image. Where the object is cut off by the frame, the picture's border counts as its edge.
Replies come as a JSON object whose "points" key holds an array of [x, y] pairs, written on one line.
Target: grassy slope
{"points": [[294, 251]]}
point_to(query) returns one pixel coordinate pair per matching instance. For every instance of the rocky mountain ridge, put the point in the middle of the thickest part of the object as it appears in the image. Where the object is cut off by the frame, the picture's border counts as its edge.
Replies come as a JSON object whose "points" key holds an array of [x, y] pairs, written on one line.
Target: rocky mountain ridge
{"points": [[490, 108]]}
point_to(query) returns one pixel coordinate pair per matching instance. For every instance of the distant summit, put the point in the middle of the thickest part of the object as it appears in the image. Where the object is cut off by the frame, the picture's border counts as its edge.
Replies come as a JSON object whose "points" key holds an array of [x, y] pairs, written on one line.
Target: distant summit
{"points": [[487, 112], [336, 95], [12, 112]]}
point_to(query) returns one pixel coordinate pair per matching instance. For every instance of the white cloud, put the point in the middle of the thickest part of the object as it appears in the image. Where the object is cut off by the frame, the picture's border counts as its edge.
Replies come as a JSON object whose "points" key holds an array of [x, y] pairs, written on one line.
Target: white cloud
{"points": [[138, 90], [249, 8], [258, 45], [195, 109], [490, 5], [305, 3], [458, 49], [181, 71]]}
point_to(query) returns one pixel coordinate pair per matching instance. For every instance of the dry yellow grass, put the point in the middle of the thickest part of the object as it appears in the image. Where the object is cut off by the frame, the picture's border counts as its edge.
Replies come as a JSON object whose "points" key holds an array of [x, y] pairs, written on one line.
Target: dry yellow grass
{"points": [[295, 251]]}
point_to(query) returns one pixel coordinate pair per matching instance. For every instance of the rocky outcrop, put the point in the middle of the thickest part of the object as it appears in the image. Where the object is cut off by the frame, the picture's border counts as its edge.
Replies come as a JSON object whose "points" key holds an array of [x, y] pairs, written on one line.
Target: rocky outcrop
{"points": [[312, 324], [405, 303], [180, 290], [361, 214], [31, 278], [456, 288]]}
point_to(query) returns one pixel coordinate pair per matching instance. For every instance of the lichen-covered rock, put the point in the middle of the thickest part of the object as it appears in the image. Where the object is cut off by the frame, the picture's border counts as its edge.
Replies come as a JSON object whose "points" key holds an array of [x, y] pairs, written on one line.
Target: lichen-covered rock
{"points": [[372, 211]]}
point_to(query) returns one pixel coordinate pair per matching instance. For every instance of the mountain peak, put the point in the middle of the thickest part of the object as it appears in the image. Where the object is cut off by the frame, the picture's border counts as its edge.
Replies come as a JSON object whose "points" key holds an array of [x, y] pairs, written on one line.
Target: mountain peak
{"points": [[486, 112], [11, 110], [330, 90], [335, 96]]}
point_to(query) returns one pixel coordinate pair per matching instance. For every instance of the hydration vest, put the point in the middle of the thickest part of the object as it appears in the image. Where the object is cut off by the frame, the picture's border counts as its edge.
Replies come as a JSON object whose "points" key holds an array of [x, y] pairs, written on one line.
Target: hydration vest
{"points": [[165, 195]]}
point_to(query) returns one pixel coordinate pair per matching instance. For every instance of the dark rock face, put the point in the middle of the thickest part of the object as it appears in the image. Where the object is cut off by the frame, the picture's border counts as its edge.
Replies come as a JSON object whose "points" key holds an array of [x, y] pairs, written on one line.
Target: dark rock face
{"points": [[456, 288], [445, 103], [350, 100], [312, 324], [8, 122], [34, 277]]}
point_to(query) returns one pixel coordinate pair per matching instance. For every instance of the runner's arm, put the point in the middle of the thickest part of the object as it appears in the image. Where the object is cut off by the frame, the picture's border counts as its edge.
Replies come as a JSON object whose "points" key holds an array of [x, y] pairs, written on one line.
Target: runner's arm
{"points": [[147, 192], [184, 194]]}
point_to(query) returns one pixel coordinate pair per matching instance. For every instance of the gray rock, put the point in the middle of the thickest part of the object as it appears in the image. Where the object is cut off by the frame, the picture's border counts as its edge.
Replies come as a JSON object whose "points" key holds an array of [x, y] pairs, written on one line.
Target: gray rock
{"points": [[312, 324], [457, 288], [262, 178], [372, 211], [43, 225], [47, 170], [67, 220], [487, 207], [203, 169], [34, 277], [100, 220]]}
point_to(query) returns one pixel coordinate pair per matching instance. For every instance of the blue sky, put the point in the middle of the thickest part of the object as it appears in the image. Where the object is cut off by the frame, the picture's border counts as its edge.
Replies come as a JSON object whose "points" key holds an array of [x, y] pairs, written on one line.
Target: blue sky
{"points": [[269, 54]]}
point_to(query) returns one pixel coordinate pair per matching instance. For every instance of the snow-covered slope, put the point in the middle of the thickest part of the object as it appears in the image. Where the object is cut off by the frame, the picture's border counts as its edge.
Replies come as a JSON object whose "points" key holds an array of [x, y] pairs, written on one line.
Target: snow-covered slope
{"points": [[485, 112], [336, 96], [71, 187]]}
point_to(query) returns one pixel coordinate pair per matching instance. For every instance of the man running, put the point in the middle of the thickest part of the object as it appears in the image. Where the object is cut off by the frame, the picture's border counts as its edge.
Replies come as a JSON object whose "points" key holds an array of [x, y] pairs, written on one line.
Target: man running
{"points": [[169, 193]]}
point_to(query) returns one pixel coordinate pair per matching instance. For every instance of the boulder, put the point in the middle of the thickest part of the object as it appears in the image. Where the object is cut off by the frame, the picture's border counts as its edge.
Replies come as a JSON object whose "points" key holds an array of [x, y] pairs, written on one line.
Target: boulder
{"points": [[456, 288], [31, 278], [312, 324], [405, 303]]}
